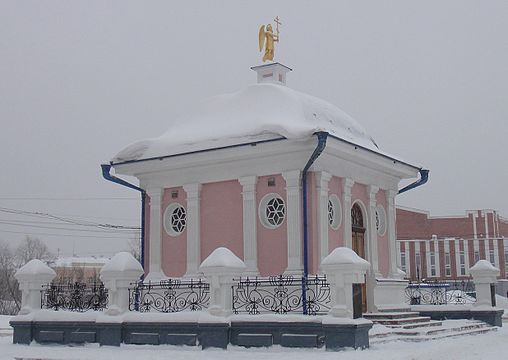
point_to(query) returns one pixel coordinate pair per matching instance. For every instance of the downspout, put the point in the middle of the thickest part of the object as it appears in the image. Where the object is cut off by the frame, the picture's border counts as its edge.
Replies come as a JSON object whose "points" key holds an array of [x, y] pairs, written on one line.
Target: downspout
{"points": [[322, 136], [424, 177], [106, 168]]}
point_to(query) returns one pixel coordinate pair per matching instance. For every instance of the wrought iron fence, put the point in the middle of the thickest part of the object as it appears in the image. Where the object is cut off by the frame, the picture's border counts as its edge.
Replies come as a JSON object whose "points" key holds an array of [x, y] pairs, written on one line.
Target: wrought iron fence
{"points": [[441, 293], [281, 295], [172, 295], [77, 296]]}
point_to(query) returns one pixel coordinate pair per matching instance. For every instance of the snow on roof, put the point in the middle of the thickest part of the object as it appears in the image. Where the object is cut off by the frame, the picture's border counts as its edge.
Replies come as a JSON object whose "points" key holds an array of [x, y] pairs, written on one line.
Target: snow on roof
{"points": [[85, 261], [123, 261], [260, 111]]}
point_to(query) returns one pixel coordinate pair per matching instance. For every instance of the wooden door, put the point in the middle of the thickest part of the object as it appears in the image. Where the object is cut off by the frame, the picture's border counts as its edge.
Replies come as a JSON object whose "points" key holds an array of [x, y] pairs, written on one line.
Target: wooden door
{"points": [[358, 245]]}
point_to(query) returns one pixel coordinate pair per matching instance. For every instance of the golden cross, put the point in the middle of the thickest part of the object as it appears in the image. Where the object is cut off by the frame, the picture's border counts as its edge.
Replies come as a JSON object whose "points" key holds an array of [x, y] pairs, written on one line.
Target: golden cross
{"points": [[278, 23]]}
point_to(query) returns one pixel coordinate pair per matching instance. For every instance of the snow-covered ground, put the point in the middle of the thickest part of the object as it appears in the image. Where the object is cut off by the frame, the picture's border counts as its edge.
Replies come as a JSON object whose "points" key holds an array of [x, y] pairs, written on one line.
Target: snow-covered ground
{"points": [[490, 346]]}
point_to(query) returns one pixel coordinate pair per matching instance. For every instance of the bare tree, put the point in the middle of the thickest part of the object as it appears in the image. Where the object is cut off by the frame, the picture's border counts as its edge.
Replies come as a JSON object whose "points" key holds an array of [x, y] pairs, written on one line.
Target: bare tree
{"points": [[32, 248], [10, 296]]}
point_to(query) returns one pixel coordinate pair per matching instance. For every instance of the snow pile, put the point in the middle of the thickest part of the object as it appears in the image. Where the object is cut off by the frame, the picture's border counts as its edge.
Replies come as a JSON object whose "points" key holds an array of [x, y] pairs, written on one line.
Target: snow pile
{"points": [[344, 255], [260, 111], [123, 261], [484, 265], [222, 258], [34, 267]]}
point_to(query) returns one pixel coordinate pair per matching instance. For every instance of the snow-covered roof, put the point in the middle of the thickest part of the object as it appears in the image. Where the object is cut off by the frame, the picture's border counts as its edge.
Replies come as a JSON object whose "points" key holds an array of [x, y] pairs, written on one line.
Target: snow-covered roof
{"points": [[261, 111]]}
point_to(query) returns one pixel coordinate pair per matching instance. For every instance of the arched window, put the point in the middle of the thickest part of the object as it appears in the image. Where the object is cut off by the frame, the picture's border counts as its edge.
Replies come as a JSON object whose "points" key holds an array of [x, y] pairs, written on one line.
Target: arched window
{"points": [[356, 216]]}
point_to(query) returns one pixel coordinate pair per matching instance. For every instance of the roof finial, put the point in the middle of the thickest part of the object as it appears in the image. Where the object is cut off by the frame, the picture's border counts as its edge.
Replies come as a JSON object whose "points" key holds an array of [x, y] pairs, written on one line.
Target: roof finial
{"points": [[267, 39]]}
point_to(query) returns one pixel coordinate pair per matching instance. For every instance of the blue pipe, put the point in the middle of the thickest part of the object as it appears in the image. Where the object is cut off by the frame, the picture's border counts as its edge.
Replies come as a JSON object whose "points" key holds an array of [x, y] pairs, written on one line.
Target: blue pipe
{"points": [[322, 136], [424, 177], [106, 169]]}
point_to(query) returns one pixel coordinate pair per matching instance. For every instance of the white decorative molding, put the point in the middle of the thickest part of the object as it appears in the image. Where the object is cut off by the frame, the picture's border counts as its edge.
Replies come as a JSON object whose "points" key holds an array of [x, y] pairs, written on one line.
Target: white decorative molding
{"points": [[250, 250], [390, 223], [193, 228], [294, 223], [373, 253], [155, 239], [347, 185], [322, 179]]}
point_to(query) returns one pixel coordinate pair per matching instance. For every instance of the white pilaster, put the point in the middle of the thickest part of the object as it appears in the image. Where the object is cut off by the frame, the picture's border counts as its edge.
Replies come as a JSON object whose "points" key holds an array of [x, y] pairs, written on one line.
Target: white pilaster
{"points": [[495, 243], [418, 260], [293, 221], [347, 185], [427, 258], [250, 250], [436, 251], [466, 255], [372, 243], [390, 220], [155, 239], [322, 187], [457, 256], [193, 228], [407, 251]]}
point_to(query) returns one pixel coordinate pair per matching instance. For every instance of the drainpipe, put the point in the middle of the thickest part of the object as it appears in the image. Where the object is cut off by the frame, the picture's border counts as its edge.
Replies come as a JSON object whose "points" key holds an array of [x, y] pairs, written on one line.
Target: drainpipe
{"points": [[322, 136], [424, 177], [106, 168]]}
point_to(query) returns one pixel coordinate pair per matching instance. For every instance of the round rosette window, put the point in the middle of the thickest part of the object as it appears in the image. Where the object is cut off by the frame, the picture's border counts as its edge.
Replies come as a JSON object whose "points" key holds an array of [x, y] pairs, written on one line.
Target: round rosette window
{"points": [[175, 219], [272, 211], [380, 220], [334, 212]]}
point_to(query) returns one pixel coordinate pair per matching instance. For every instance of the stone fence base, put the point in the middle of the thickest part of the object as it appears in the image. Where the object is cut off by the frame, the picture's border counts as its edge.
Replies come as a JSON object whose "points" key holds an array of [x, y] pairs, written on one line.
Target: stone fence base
{"points": [[246, 331], [491, 316]]}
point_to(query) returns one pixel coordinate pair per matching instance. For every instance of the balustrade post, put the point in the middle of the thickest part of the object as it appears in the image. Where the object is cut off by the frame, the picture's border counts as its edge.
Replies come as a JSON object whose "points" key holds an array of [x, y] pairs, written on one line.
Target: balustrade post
{"points": [[120, 273], [220, 268], [31, 277], [484, 275], [343, 268]]}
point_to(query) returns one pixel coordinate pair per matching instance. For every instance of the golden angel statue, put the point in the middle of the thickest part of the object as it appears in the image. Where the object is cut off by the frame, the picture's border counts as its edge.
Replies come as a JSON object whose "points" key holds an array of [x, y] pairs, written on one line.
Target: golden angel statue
{"points": [[267, 39]]}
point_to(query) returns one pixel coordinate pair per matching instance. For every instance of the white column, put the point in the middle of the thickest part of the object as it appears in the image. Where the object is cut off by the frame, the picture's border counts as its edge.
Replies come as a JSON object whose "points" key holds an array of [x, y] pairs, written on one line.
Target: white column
{"points": [[322, 187], [293, 221], [193, 228], [372, 243], [407, 251], [436, 251], [250, 249], [466, 255], [155, 246], [347, 185], [390, 219], [427, 258], [457, 257]]}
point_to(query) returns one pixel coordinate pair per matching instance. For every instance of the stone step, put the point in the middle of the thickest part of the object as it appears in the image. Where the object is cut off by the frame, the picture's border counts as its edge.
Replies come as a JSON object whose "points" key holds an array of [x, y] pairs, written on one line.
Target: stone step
{"points": [[390, 315], [393, 310], [393, 337], [402, 321], [418, 325]]}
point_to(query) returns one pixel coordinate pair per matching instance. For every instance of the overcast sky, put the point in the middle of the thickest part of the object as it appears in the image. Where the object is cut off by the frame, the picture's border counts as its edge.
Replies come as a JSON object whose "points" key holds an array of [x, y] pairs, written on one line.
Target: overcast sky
{"points": [[81, 80]]}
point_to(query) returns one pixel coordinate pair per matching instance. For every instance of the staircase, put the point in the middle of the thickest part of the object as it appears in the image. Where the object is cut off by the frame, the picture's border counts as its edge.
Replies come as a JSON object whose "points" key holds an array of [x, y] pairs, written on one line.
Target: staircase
{"points": [[410, 326]]}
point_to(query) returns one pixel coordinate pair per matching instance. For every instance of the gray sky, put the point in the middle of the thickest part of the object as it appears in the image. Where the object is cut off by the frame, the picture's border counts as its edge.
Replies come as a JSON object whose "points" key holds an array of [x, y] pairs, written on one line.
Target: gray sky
{"points": [[81, 80]]}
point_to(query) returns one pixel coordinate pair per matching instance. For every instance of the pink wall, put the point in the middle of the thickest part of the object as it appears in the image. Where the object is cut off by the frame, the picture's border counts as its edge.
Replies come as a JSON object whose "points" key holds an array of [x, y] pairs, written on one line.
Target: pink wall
{"points": [[272, 243], [336, 237], [382, 241], [221, 217], [174, 248]]}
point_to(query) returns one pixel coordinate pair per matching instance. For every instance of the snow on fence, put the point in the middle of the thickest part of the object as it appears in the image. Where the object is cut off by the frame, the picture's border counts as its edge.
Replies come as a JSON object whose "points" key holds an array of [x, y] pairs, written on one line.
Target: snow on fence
{"points": [[459, 292], [281, 295], [171, 295], [77, 296]]}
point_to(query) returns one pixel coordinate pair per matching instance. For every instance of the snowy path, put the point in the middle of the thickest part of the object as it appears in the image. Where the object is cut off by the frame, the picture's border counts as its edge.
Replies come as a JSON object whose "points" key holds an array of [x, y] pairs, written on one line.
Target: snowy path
{"points": [[487, 346]]}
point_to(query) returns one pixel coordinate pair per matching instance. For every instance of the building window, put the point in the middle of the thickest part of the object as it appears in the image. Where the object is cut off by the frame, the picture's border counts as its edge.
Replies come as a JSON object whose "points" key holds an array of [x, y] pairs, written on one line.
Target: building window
{"points": [[432, 263], [448, 269], [272, 211], [403, 261], [175, 219], [418, 264], [462, 259], [334, 212], [380, 220], [491, 255], [476, 256], [506, 263]]}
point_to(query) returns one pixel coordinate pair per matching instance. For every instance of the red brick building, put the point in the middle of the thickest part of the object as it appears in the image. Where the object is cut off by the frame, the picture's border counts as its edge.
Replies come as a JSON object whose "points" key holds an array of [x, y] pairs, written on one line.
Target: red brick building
{"points": [[445, 247]]}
